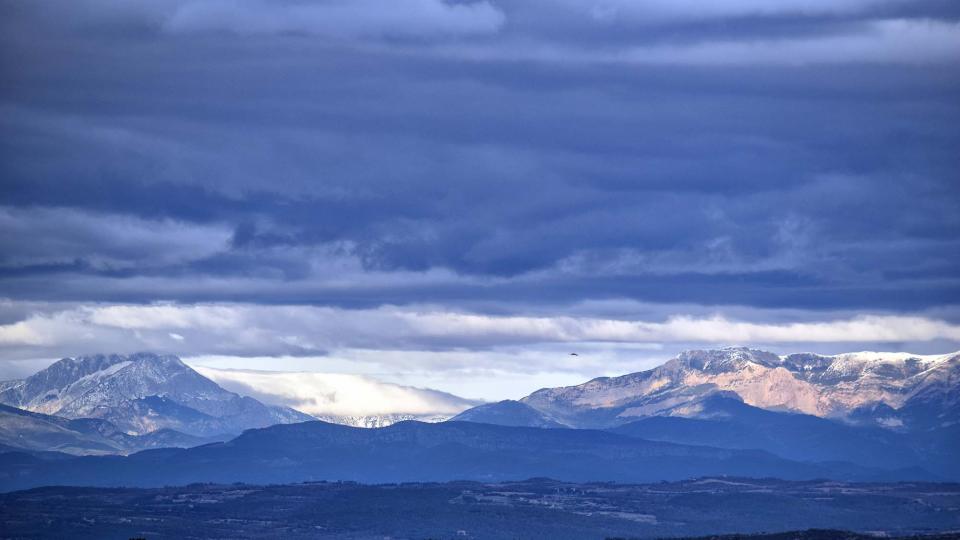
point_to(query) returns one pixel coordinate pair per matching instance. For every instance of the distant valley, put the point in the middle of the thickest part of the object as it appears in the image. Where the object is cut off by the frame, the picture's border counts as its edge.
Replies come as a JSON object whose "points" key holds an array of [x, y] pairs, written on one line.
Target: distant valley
{"points": [[537, 509]]}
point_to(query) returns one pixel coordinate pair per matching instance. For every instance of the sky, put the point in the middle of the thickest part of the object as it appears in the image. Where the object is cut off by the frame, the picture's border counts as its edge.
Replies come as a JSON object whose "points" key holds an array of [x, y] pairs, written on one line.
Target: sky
{"points": [[458, 194]]}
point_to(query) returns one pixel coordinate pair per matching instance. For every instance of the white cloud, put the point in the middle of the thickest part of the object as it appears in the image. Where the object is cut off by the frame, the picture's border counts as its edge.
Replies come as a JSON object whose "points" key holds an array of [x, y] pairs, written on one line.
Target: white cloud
{"points": [[864, 38], [895, 41], [22, 333], [166, 316], [716, 329], [336, 393], [890, 41], [325, 18], [249, 329], [872, 328], [476, 355], [647, 11], [337, 18]]}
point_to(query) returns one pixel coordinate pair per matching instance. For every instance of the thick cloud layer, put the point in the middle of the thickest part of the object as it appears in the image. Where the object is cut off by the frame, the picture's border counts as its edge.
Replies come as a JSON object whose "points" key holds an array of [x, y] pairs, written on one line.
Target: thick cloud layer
{"points": [[504, 159]]}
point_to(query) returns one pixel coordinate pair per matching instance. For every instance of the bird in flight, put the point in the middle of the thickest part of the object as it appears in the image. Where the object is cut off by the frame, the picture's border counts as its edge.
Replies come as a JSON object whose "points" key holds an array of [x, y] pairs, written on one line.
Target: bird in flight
{"points": [[574, 354]]}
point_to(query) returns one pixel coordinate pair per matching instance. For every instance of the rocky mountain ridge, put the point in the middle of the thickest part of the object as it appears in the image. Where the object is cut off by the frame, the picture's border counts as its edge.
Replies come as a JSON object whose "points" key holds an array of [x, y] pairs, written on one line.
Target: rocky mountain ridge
{"points": [[894, 390], [420, 452], [141, 393]]}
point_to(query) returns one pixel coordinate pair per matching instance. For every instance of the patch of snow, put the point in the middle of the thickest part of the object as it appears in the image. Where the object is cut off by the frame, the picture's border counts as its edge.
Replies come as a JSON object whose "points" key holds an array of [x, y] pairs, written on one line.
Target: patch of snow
{"points": [[890, 357], [103, 373], [890, 422]]}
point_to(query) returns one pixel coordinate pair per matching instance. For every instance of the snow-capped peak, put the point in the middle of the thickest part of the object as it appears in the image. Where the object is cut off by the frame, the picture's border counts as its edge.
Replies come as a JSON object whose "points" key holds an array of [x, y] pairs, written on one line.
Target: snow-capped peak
{"points": [[141, 393]]}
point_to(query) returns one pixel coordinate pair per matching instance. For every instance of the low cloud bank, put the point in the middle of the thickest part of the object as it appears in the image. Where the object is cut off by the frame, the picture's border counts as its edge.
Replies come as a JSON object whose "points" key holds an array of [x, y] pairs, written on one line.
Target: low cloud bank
{"points": [[258, 330], [337, 394]]}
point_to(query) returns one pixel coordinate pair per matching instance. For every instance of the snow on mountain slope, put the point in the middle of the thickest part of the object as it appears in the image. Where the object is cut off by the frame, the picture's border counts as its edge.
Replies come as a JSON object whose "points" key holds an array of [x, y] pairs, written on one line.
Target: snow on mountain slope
{"points": [[141, 393], [380, 420], [854, 380], [837, 386], [342, 398]]}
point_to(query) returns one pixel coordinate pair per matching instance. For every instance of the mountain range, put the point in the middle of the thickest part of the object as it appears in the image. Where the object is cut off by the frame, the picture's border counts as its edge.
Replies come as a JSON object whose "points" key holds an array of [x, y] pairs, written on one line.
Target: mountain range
{"points": [[898, 391], [886, 410], [141, 394], [732, 411], [416, 451]]}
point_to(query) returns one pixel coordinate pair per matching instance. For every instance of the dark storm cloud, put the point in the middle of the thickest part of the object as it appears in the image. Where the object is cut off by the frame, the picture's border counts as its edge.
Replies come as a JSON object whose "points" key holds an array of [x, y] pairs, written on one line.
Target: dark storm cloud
{"points": [[520, 153]]}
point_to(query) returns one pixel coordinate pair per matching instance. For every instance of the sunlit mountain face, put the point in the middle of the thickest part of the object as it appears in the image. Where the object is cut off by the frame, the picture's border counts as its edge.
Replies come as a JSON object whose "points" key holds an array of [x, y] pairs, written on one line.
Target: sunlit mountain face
{"points": [[281, 241]]}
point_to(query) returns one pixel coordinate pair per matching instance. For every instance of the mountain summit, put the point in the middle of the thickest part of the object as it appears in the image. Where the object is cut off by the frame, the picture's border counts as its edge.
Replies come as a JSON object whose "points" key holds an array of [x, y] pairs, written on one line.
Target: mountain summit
{"points": [[141, 393], [894, 390]]}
